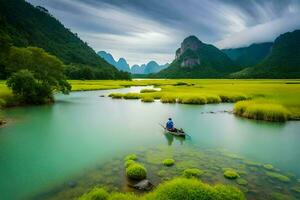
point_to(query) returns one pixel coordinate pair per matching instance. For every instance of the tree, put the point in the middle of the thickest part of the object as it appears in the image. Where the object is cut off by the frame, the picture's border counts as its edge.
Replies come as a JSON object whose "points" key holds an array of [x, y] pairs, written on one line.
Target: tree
{"points": [[35, 75]]}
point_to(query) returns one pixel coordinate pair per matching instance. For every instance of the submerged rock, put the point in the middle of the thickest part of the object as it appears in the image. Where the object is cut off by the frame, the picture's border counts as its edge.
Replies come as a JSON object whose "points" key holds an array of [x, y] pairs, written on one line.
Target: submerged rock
{"points": [[143, 185], [72, 184]]}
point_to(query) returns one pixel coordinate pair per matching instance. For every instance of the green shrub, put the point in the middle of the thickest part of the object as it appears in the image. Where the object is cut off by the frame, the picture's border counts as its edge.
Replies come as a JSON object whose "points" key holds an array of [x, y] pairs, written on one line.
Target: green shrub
{"points": [[261, 111], [128, 163], [130, 157], [169, 162], [192, 99], [278, 176], [231, 174], [116, 95], [148, 90], [192, 172], [168, 99], [136, 171], [95, 194], [132, 96], [147, 99]]}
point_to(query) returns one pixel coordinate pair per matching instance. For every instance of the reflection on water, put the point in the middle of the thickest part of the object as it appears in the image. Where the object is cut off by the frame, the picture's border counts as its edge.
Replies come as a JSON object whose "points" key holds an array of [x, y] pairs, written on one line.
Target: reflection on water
{"points": [[50, 145]]}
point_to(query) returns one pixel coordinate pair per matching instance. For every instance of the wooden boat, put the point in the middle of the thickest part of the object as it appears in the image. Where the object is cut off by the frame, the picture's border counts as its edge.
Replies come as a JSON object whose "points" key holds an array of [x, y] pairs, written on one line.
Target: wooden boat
{"points": [[176, 132]]}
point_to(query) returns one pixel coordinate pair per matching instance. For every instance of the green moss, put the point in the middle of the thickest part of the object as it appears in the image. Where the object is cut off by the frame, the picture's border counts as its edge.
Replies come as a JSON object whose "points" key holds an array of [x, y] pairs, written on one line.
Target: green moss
{"points": [[121, 196], [278, 176], [128, 163], [252, 163], [192, 172], [280, 196], [242, 181], [296, 189], [130, 157], [95, 194], [168, 162], [193, 189], [148, 90], [136, 171], [162, 173], [268, 166], [231, 174]]}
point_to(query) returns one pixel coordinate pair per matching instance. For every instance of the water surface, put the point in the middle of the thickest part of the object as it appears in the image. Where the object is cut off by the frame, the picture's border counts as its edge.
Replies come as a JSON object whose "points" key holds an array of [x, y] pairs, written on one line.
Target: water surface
{"points": [[50, 145]]}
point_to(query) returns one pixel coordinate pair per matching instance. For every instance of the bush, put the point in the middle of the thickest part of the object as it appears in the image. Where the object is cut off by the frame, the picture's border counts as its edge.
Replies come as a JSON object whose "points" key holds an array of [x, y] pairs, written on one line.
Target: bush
{"points": [[169, 162], [231, 174], [95, 194], [148, 90], [136, 171], [147, 99], [192, 172], [261, 111], [130, 157], [168, 99]]}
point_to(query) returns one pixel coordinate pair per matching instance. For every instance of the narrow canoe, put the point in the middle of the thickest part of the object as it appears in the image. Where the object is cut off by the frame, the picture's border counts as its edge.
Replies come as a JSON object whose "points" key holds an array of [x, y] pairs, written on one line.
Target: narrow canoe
{"points": [[178, 132]]}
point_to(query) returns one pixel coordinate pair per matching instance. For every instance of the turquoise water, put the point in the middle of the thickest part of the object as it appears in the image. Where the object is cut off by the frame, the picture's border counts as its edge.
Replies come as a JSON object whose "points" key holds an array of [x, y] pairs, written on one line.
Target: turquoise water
{"points": [[46, 146]]}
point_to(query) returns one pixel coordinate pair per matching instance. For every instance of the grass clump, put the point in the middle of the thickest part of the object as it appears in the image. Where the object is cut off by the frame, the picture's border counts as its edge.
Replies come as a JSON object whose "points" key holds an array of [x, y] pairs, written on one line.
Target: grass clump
{"points": [[116, 95], [168, 99], [278, 176], [147, 99], [230, 174], [261, 111], [193, 189], [168, 162], [123, 196], [130, 157], [148, 90], [192, 99], [231, 98], [242, 181], [268, 166], [132, 96], [136, 171], [192, 173], [95, 194]]}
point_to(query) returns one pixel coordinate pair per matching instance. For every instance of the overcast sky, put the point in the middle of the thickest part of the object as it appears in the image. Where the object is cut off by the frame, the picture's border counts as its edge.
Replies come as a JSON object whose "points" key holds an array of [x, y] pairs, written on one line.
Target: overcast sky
{"points": [[144, 30]]}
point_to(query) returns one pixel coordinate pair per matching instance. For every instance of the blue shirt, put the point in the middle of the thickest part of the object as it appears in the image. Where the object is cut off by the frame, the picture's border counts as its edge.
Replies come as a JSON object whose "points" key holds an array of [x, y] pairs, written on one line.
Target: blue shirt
{"points": [[170, 124]]}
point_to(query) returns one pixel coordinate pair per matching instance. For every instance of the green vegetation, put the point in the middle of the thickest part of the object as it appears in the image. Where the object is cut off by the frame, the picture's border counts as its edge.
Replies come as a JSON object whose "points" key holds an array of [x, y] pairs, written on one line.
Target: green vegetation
{"points": [[268, 166], [27, 25], [261, 110], [242, 181], [230, 174], [168, 99], [168, 162], [147, 99], [130, 157], [278, 176], [95, 194], [148, 90], [136, 171], [128, 163], [131, 96], [192, 172]]}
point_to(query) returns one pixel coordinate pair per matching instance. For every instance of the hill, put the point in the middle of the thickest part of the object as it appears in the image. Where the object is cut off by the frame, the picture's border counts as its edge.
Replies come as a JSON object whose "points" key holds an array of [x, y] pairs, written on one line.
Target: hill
{"points": [[121, 64], [27, 25], [282, 62], [249, 56], [195, 59]]}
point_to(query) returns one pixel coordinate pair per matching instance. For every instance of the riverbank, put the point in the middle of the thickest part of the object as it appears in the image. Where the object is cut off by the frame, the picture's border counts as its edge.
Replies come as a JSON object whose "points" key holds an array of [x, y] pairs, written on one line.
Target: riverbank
{"points": [[270, 100]]}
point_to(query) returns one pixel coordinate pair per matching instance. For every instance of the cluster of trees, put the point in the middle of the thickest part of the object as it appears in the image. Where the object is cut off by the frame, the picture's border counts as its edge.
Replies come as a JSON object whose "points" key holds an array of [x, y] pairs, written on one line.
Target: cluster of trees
{"points": [[32, 74]]}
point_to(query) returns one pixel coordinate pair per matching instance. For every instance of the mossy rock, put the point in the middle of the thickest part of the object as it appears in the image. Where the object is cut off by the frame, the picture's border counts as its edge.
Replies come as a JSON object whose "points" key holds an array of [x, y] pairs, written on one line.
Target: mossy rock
{"points": [[278, 176], [136, 171], [128, 163], [95, 194], [268, 167], [192, 173], [193, 189], [230, 174], [168, 162], [242, 181], [130, 157]]}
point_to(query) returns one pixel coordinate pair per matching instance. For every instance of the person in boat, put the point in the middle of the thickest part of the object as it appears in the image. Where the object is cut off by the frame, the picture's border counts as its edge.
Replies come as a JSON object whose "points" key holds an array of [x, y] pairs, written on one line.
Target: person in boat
{"points": [[170, 125]]}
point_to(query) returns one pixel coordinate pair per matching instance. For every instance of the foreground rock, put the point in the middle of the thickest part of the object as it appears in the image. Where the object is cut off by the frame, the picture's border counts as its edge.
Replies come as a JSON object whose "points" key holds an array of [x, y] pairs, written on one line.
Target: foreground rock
{"points": [[145, 185]]}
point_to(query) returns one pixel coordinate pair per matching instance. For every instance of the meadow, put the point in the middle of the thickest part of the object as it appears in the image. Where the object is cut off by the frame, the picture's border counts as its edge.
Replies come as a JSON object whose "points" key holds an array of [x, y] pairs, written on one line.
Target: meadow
{"points": [[271, 100]]}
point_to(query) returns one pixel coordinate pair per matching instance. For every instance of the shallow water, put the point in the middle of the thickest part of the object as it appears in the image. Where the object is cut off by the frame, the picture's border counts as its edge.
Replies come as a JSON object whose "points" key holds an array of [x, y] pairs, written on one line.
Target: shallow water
{"points": [[47, 146]]}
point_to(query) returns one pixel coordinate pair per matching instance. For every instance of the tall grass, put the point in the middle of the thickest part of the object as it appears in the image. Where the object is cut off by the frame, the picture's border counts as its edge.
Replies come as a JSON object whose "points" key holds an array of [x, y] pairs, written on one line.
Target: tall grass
{"points": [[132, 96], [148, 90], [147, 99], [261, 111], [168, 99]]}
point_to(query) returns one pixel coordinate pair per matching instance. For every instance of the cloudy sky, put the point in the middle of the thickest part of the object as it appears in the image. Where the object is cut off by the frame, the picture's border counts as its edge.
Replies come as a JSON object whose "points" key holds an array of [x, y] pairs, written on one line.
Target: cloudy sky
{"points": [[143, 30]]}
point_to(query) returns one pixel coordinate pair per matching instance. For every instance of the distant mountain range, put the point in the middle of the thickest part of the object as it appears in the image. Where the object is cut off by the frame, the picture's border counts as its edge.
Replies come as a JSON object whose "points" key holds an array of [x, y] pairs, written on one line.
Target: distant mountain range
{"points": [[195, 59], [122, 65], [27, 25]]}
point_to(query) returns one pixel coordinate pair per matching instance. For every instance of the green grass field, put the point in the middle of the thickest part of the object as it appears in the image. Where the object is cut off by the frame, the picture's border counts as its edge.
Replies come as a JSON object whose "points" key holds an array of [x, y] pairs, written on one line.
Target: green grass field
{"points": [[272, 100]]}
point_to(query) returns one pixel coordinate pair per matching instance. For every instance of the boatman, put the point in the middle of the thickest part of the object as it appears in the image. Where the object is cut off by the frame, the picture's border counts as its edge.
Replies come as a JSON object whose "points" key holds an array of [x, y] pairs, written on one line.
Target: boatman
{"points": [[170, 125]]}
